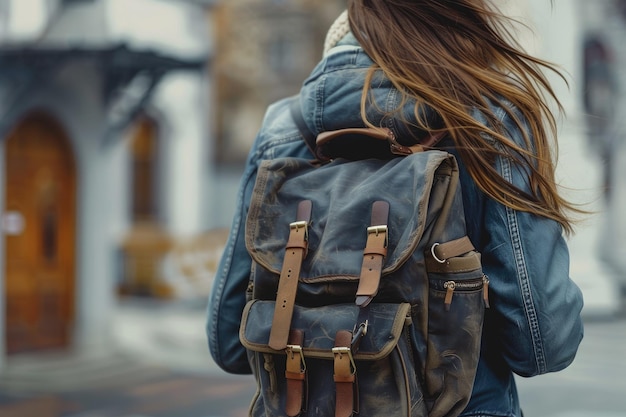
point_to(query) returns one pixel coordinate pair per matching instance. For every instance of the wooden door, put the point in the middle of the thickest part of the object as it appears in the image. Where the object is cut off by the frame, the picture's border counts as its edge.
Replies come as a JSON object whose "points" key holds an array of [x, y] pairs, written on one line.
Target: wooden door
{"points": [[39, 231]]}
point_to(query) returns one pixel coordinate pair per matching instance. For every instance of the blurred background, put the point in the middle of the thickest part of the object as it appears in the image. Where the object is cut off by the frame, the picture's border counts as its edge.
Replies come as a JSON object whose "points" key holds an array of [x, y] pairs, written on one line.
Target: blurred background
{"points": [[124, 126]]}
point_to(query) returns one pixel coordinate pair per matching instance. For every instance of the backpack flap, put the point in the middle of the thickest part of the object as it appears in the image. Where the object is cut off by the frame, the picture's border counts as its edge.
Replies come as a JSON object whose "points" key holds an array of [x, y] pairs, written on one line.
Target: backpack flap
{"points": [[321, 324], [342, 193]]}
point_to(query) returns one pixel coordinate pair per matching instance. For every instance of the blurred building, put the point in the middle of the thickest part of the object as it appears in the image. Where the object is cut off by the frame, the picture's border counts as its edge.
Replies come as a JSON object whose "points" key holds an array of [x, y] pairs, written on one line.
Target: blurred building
{"points": [[264, 50], [123, 129], [104, 129]]}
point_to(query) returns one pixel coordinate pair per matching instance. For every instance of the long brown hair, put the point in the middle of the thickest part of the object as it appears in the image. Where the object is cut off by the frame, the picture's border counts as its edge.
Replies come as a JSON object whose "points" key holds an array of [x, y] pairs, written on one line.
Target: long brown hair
{"points": [[459, 55]]}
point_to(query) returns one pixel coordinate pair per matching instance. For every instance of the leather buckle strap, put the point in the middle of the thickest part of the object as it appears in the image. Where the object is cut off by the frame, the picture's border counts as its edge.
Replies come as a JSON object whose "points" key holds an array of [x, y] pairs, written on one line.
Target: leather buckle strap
{"points": [[298, 118], [295, 373], [373, 254], [442, 251], [295, 252], [346, 401]]}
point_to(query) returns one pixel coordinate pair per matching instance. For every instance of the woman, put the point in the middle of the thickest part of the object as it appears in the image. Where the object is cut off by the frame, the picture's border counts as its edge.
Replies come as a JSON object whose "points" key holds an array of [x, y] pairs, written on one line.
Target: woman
{"points": [[425, 66]]}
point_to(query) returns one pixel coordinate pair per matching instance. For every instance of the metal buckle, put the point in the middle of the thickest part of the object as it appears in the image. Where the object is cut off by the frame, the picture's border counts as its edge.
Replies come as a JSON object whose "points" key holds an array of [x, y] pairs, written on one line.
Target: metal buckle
{"points": [[432, 251], [340, 351], [359, 332], [296, 349], [376, 230], [300, 225]]}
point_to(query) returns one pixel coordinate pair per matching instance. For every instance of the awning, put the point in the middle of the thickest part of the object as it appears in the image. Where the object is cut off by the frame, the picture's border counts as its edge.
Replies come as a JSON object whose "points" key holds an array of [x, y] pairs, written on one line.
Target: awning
{"points": [[24, 69]]}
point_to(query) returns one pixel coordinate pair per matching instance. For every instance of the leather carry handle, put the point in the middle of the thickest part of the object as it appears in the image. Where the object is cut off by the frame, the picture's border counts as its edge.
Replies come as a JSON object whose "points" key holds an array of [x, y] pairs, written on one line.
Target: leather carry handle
{"points": [[383, 134], [324, 137]]}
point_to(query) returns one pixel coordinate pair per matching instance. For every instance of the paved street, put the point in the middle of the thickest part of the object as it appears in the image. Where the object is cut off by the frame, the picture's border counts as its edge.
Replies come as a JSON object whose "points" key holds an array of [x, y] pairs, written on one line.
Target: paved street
{"points": [[179, 380], [118, 384], [160, 394], [159, 366]]}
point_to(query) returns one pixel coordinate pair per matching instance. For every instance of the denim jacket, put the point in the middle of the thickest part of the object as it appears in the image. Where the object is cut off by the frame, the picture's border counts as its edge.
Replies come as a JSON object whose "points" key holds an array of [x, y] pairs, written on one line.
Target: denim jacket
{"points": [[533, 325]]}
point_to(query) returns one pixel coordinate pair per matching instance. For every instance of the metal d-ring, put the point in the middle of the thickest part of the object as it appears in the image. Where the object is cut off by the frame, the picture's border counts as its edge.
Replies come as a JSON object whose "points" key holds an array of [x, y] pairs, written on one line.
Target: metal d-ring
{"points": [[432, 251]]}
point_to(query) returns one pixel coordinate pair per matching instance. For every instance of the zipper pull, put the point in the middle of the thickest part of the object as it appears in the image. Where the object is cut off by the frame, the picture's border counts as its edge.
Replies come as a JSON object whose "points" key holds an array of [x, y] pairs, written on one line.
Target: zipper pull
{"points": [[449, 286], [250, 291], [486, 290]]}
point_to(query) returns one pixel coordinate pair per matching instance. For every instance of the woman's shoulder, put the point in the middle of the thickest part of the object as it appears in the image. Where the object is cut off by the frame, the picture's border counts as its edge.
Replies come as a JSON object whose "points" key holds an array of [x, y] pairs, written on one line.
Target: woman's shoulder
{"points": [[500, 114], [278, 135], [500, 107]]}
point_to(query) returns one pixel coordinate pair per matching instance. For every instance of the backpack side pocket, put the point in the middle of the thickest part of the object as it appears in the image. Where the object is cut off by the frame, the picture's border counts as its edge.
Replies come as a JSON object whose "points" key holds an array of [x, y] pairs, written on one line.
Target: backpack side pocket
{"points": [[456, 305]]}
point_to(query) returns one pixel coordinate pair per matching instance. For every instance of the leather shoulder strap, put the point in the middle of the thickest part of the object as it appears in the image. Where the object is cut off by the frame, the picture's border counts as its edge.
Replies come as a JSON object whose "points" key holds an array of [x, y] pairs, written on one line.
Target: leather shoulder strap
{"points": [[298, 118]]}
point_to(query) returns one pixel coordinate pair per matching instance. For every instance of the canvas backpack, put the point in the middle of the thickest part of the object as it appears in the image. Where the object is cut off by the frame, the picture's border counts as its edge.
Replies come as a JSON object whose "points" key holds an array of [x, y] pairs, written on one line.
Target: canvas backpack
{"points": [[365, 295]]}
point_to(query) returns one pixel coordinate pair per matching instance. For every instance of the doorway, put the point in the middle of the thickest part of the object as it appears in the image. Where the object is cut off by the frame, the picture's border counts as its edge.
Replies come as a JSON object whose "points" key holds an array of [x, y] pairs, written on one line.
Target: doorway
{"points": [[39, 225]]}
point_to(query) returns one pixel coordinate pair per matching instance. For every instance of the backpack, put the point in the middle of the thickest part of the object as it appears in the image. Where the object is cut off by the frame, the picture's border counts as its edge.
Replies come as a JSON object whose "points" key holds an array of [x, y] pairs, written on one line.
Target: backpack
{"points": [[365, 295]]}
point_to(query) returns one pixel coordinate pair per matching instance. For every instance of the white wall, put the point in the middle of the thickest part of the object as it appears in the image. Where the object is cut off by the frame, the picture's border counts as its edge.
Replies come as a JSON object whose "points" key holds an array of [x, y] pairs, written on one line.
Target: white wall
{"points": [[180, 99], [80, 23], [26, 19], [173, 27], [76, 99]]}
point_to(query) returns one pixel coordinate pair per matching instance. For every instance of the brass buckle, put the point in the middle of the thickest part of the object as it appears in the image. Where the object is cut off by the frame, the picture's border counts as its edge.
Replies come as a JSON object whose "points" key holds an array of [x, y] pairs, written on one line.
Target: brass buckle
{"points": [[376, 230], [338, 352], [292, 350], [300, 225]]}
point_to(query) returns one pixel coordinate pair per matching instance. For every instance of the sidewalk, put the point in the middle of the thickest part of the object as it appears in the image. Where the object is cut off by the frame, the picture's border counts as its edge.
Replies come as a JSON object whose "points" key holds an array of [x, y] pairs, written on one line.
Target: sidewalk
{"points": [[149, 338], [158, 365], [168, 333]]}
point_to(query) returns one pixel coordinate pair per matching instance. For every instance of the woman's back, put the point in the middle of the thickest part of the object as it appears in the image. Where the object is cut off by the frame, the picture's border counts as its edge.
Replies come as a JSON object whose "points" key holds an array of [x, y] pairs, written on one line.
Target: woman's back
{"points": [[495, 125]]}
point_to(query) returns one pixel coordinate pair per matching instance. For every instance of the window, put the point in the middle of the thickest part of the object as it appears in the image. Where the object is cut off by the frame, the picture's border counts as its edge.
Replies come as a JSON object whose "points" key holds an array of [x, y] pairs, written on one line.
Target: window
{"points": [[144, 170]]}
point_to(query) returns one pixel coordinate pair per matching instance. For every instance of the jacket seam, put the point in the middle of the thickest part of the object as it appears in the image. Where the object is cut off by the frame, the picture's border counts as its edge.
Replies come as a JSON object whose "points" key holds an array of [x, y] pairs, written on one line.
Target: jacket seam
{"points": [[392, 99], [319, 97], [332, 67], [522, 274]]}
